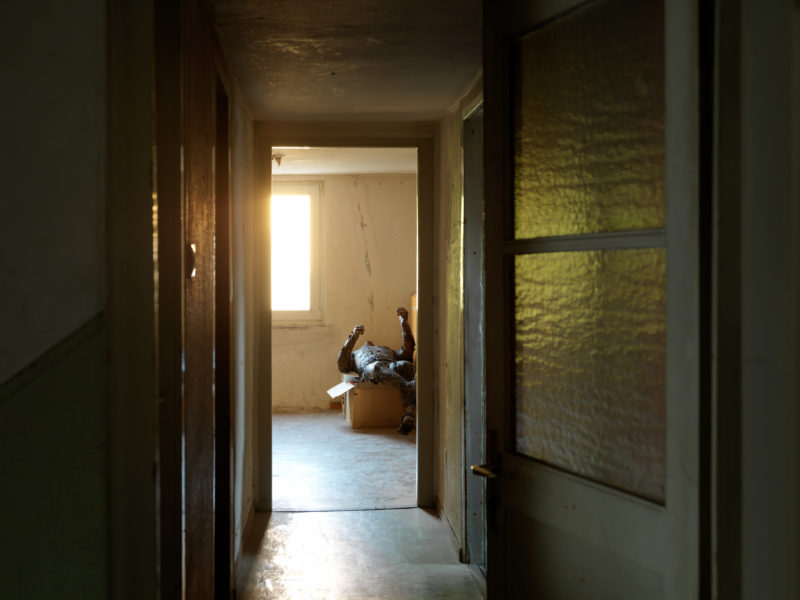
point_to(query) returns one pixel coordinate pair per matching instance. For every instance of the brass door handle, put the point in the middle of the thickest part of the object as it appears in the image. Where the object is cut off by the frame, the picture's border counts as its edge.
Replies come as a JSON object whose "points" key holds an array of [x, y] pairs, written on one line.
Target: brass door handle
{"points": [[484, 470]]}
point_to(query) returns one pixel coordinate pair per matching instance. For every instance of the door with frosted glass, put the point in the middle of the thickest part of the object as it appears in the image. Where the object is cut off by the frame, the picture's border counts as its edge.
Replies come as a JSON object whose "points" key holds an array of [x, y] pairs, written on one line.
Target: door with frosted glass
{"points": [[592, 287]]}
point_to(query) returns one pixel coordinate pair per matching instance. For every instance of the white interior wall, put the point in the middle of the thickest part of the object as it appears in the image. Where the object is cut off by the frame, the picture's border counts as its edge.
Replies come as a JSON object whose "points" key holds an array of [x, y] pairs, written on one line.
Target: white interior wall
{"points": [[242, 329], [370, 270], [53, 242], [53, 342]]}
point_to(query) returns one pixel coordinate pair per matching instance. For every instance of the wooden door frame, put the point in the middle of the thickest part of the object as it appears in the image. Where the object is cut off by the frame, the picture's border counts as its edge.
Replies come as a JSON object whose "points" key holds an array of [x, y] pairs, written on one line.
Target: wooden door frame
{"points": [[223, 405], [171, 22], [169, 194], [132, 405], [474, 506], [344, 134], [755, 458]]}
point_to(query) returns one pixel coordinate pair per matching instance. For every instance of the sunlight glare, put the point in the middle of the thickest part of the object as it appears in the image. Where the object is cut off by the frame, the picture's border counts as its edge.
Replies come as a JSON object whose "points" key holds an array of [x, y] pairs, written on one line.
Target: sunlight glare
{"points": [[291, 252]]}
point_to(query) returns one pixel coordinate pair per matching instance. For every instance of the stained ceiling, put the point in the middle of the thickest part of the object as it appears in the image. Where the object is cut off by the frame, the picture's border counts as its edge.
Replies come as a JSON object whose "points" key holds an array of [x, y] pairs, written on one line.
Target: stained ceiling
{"points": [[351, 60]]}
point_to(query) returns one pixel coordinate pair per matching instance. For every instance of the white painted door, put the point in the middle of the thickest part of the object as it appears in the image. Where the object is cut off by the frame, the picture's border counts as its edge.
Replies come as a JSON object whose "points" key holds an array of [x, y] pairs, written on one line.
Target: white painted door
{"points": [[592, 299]]}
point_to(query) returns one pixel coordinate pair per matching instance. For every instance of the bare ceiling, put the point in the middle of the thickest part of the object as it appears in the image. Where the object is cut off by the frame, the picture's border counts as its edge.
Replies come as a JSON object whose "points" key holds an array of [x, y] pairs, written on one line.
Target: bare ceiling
{"points": [[351, 60], [339, 161]]}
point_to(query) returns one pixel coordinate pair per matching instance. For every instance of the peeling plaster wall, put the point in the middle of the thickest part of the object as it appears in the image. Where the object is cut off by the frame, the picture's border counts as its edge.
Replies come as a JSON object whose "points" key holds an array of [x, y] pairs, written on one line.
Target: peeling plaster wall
{"points": [[449, 335], [370, 270]]}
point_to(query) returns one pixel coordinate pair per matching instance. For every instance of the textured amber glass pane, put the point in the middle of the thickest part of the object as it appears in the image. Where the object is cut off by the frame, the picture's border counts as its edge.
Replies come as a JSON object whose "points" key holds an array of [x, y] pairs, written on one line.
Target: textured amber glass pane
{"points": [[590, 364], [589, 140]]}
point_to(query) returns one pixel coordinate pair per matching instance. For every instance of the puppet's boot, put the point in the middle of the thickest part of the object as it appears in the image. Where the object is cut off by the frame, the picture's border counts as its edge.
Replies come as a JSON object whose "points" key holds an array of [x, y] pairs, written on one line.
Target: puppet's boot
{"points": [[407, 424]]}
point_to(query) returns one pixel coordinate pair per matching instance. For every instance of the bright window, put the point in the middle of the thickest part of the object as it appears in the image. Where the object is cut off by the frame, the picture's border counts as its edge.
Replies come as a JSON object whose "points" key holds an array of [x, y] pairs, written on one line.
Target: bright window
{"points": [[296, 243]]}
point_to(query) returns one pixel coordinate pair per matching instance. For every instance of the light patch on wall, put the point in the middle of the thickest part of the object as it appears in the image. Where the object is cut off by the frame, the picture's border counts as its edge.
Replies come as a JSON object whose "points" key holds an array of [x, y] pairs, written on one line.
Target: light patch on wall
{"points": [[291, 252]]}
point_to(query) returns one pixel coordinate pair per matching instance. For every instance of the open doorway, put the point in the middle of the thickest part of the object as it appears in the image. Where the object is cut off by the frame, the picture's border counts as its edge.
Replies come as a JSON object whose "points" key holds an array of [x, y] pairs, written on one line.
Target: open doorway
{"points": [[344, 248]]}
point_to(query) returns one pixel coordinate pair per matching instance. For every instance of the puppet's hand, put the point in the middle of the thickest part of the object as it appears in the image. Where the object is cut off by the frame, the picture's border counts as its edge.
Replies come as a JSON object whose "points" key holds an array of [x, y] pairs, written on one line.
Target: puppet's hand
{"points": [[402, 313], [358, 330]]}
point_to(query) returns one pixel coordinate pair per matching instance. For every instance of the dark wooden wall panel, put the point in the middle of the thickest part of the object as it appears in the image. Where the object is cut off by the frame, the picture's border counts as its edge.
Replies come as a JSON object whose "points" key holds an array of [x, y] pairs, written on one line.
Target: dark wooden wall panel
{"points": [[169, 297], [199, 137]]}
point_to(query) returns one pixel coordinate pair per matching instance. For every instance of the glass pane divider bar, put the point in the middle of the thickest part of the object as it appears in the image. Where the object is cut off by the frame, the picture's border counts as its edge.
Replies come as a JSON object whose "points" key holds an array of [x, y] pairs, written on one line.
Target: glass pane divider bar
{"points": [[614, 240]]}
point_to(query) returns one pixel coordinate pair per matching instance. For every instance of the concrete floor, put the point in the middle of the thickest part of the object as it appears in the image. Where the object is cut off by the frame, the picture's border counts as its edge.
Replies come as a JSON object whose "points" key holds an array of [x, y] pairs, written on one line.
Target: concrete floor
{"points": [[320, 463], [399, 554], [319, 542]]}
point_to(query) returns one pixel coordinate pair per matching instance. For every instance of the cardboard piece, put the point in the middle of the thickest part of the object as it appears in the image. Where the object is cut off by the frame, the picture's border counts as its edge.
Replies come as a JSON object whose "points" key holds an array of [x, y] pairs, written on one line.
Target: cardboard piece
{"points": [[340, 388], [368, 405]]}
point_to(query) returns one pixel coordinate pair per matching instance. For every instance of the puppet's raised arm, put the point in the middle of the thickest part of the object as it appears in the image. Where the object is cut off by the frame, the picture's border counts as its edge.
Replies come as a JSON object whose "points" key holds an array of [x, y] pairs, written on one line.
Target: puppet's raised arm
{"points": [[407, 351], [345, 361]]}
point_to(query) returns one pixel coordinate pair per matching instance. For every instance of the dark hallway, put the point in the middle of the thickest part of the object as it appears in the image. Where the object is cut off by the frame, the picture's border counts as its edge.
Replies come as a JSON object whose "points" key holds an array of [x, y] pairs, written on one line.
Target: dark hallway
{"points": [[634, 415]]}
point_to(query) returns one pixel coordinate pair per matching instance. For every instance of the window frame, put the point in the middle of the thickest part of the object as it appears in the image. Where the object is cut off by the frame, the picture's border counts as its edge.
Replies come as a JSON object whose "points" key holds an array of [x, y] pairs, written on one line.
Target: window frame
{"points": [[316, 314]]}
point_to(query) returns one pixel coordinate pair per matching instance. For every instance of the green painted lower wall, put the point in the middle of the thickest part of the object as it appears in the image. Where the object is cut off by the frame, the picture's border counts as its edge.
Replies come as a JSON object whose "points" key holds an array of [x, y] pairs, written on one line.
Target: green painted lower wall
{"points": [[53, 474]]}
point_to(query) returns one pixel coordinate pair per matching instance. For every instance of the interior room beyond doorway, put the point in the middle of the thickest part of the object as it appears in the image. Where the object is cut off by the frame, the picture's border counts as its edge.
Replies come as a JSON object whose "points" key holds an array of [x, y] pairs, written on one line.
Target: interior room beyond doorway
{"points": [[359, 211]]}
